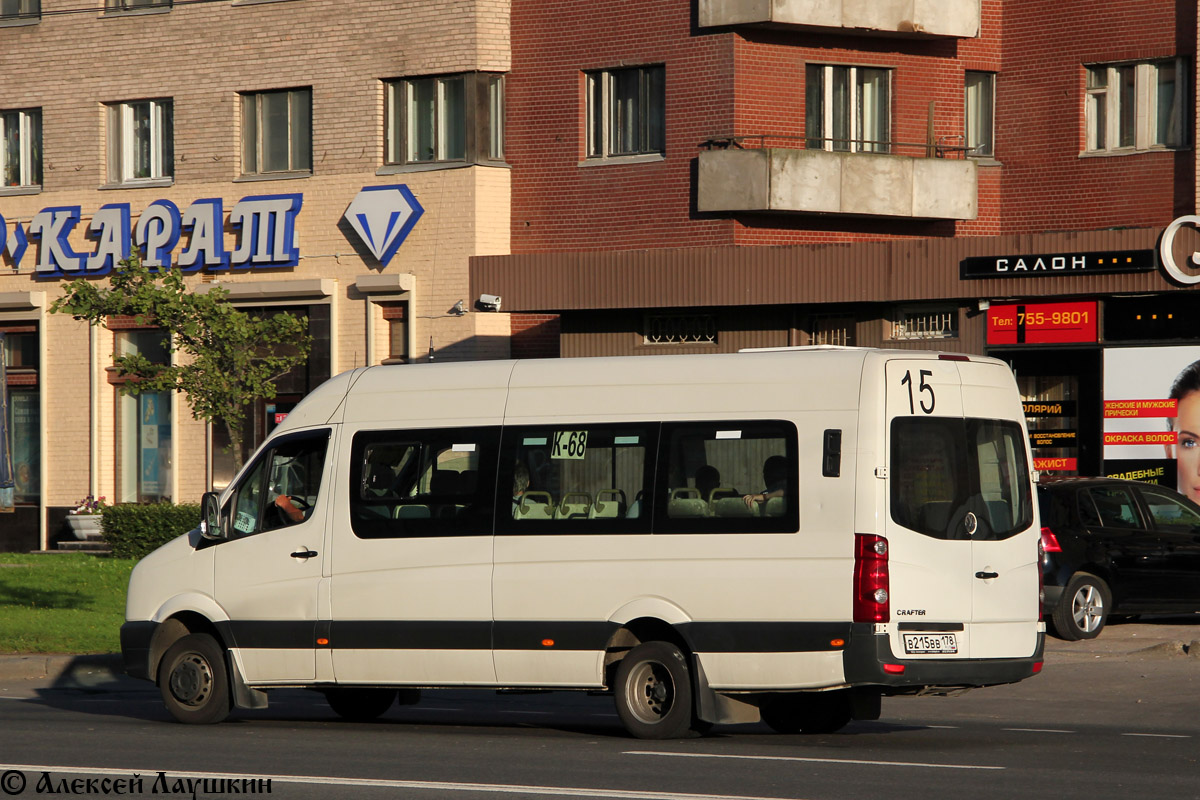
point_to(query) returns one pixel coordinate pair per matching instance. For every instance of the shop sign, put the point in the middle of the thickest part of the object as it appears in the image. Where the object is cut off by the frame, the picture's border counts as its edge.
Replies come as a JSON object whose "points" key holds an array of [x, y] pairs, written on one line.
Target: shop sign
{"points": [[1059, 438], [1055, 464], [1049, 408], [1044, 266], [1042, 323], [264, 226], [1166, 252]]}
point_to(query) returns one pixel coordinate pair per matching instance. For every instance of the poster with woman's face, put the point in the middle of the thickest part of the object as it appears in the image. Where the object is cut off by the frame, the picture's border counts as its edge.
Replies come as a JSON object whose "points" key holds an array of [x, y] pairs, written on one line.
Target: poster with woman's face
{"points": [[1150, 435]]}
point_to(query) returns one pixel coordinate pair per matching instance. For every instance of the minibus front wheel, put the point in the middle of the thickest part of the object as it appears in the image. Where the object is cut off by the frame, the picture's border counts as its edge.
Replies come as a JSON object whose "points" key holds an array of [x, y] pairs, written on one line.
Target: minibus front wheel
{"points": [[654, 692], [194, 682]]}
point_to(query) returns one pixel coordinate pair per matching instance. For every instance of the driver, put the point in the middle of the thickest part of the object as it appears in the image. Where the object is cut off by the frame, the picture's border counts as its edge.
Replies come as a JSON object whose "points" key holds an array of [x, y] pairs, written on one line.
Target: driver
{"points": [[289, 509]]}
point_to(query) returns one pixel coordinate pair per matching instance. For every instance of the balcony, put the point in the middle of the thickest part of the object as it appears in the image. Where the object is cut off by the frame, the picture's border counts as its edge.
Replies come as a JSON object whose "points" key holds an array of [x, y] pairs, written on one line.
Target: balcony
{"points": [[749, 174], [910, 18]]}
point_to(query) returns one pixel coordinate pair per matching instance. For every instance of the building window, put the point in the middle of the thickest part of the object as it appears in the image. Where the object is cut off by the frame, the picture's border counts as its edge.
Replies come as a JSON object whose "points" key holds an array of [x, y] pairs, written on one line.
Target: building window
{"points": [[939, 323], [1135, 106], [833, 330], [144, 461], [848, 109], [979, 97], [277, 132], [134, 5], [19, 347], [394, 316], [20, 9], [680, 329], [22, 154], [447, 118], [141, 141], [625, 112]]}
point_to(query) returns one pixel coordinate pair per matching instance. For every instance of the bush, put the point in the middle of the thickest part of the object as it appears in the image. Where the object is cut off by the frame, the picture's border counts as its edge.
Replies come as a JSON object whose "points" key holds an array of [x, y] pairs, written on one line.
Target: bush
{"points": [[134, 530]]}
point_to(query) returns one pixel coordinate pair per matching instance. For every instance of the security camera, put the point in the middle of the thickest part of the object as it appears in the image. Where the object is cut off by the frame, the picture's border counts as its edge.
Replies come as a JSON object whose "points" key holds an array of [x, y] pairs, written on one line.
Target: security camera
{"points": [[488, 302]]}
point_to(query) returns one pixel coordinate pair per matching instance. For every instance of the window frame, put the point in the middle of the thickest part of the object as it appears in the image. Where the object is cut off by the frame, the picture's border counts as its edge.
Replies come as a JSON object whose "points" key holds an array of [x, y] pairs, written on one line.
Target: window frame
{"points": [[979, 113], [823, 107], [29, 144], [27, 10], [1121, 117], [254, 126], [261, 465], [127, 6], [123, 141], [481, 121], [603, 113]]}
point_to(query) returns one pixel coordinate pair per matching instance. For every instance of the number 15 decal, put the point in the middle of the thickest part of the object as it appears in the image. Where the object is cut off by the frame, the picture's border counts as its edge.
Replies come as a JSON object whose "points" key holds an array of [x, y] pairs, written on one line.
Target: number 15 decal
{"points": [[922, 389]]}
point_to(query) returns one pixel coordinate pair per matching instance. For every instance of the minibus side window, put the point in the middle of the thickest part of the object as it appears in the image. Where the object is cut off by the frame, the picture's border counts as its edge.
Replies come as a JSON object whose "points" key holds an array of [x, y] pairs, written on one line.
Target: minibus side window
{"points": [[728, 477], [436, 482], [576, 478], [282, 487]]}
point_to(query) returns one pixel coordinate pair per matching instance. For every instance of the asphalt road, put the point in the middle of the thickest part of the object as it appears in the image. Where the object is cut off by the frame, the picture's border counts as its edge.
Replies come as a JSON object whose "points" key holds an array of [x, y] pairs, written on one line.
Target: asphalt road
{"points": [[1112, 718]]}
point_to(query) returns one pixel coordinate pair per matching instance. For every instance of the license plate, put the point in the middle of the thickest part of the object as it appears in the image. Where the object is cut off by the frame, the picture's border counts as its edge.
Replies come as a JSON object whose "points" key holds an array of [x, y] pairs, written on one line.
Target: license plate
{"points": [[915, 643]]}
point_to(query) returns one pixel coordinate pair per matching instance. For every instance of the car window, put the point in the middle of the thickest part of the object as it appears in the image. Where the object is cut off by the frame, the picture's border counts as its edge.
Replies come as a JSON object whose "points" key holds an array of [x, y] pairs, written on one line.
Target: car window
{"points": [[1088, 515], [1170, 512], [1116, 506]]}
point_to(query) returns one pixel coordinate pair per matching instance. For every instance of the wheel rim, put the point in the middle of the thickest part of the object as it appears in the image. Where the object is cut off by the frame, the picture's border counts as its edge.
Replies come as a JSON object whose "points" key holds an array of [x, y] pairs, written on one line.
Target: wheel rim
{"points": [[650, 692], [1088, 608], [192, 680]]}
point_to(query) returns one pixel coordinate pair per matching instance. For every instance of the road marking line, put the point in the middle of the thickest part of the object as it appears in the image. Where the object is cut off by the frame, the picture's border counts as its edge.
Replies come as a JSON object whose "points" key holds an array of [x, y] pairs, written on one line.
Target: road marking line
{"points": [[150, 775], [1036, 730], [1159, 735], [812, 760]]}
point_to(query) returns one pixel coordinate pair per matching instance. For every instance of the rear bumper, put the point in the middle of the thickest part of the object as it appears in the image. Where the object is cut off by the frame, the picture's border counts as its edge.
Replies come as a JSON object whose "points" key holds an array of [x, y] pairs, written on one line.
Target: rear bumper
{"points": [[135, 647], [867, 653]]}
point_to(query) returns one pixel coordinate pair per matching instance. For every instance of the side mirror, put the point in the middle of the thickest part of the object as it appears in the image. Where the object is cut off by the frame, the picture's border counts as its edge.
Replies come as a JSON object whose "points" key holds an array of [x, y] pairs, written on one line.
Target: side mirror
{"points": [[210, 516]]}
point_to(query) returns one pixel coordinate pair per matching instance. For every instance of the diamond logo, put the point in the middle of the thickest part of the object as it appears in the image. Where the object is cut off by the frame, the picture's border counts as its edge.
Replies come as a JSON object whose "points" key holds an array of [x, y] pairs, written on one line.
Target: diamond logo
{"points": [[383, 216]]}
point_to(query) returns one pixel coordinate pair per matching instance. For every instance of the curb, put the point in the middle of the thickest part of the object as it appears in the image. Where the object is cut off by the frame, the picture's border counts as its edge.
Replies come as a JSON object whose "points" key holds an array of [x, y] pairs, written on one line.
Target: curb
{"points": [[63, 669]]}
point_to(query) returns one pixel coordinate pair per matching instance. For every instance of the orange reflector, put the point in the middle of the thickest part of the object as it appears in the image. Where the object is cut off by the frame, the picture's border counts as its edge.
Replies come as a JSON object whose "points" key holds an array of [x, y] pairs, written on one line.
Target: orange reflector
{"points": [[1037, 667], [894, 669], [547, 643], [837, 642], [322, 641]]}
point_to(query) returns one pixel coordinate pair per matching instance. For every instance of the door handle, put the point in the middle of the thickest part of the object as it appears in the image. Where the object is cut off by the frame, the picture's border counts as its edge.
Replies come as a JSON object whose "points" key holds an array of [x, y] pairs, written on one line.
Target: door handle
{"points": [[305, 553], [981, 575]]}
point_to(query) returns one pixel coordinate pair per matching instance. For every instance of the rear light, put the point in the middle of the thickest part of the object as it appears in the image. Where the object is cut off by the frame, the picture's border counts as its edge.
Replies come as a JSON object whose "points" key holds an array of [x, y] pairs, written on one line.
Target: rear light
{"points": [[1050, 542], [871, 579], [1042, 575]]}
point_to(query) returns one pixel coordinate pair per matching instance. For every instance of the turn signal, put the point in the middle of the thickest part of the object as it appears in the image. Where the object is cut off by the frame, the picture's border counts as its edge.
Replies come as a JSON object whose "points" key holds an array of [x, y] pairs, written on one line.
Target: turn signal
{"points": [[547, 643]]}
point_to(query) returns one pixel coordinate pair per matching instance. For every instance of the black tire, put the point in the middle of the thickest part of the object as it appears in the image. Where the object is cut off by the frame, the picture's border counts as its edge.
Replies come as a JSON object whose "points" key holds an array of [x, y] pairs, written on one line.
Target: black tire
{"points": [[360, 705], [654, 692], [808, 712], [1083, 610], [194, 682]]}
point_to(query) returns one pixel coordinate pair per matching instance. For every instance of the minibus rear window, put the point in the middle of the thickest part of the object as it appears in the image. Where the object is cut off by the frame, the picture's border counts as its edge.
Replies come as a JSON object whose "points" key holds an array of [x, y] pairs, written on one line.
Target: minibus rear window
{"points": [[944, 469]]}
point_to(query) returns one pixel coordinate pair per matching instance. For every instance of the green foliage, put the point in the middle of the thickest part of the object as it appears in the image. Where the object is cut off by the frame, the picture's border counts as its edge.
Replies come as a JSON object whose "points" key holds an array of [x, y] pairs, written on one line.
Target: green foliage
{"points": [[134, 530], [223, 359], [62, 603]]}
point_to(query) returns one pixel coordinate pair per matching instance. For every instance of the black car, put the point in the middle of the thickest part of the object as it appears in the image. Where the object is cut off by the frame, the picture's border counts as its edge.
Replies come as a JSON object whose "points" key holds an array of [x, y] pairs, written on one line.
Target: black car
{"points": [[1116, 547]]}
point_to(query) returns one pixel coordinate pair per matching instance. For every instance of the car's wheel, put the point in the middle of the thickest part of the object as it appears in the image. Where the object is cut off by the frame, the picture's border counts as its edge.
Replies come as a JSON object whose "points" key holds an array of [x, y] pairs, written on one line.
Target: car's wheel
{"points": [[1083, 610], [194, 682], [654, 692], [808, 712], [360, 705]]}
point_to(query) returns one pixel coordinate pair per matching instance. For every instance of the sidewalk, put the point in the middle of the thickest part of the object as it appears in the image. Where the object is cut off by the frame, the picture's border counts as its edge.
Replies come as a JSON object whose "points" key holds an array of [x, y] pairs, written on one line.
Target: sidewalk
{"points": [[1157, 637]]}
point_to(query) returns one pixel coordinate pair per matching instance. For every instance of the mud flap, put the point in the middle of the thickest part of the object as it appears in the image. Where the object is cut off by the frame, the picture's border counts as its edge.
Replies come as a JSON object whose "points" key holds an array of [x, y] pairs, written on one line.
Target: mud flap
{"points": [[243, 695], [718, 709]]}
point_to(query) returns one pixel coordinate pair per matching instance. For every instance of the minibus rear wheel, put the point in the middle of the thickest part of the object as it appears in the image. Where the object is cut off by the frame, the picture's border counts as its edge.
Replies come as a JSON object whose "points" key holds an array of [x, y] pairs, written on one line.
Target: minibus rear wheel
{"points": [[194, 682], [360, 705], [654, 692]]}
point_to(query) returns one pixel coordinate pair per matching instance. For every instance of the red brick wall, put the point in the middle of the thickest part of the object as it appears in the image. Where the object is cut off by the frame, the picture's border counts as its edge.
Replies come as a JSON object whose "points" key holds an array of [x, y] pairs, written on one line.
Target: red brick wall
{"points": [[535, 335]]}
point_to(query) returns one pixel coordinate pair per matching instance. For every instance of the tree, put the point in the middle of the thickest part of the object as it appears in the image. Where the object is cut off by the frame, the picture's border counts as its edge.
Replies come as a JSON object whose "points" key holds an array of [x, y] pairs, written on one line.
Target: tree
{"points": [[230, 358]]}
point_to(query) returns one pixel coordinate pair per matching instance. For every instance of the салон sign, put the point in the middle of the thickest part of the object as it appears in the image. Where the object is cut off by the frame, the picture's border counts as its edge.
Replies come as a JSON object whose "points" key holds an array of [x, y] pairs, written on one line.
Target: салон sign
{"points": [[263, 224]]}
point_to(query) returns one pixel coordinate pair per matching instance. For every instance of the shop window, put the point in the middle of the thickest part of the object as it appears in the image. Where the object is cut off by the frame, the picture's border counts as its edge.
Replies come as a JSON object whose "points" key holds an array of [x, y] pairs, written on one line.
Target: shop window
{"points": [[680, 329], [277, 132], [21, 132], [833, 330], [848, 108], [141, 143], [937, 323], [446, 118], [626, 112], [979, 97], [20, 351], [20, 9], [144, 455], [1136, 106]]}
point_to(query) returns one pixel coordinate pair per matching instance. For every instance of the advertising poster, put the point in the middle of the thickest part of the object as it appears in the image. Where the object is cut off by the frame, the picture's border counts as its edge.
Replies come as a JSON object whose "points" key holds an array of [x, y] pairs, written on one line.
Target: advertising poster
{"points": [[1152, 416]]}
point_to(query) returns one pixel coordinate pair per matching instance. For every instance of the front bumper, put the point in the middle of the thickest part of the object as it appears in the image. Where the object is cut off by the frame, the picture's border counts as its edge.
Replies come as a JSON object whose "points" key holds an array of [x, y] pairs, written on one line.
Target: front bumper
{"points": [[867, 653], [136, 638]]}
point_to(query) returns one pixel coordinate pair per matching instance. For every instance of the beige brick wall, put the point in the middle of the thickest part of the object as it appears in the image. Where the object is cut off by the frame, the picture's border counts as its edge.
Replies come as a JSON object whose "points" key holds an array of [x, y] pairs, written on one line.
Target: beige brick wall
{"points": [[201, 56]]}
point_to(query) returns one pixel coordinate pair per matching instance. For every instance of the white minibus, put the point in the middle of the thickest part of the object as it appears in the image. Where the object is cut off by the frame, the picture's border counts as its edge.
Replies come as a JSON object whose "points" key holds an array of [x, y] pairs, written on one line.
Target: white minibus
{"points": [[786, 535]]}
